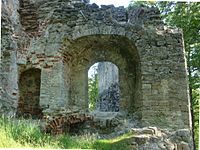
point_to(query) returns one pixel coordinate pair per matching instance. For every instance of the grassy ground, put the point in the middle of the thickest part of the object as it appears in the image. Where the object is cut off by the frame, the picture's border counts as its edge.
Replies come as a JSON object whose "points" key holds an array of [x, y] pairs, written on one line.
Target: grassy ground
{"points": [[20, 134]]}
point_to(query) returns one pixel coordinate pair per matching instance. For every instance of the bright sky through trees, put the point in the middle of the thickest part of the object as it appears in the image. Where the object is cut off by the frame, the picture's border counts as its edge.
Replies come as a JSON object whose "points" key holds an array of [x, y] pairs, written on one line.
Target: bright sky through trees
{"points": [[125, 3], [116, 3], [93, 70]]}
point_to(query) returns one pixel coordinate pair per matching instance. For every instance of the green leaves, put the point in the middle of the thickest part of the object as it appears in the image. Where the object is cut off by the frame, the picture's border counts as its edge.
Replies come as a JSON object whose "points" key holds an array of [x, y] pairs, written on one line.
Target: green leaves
{"points": [[93, 89], [186, 15]]}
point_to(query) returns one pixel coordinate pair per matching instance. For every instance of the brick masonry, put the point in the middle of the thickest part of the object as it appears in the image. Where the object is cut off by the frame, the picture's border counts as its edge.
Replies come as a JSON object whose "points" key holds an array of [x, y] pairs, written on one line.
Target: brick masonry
{"points": [[64, 38]]}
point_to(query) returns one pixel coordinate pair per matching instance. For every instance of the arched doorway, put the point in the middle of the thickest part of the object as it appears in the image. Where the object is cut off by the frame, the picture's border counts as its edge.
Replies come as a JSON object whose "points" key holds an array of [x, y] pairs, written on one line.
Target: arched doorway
{"points": [[103, 87], [83, 52], [29, 96]]}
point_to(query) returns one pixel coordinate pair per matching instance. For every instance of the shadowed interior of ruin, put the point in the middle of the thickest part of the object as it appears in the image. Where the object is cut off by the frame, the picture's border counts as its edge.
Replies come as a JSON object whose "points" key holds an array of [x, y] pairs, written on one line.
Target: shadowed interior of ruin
{"points": [[29, 96]]}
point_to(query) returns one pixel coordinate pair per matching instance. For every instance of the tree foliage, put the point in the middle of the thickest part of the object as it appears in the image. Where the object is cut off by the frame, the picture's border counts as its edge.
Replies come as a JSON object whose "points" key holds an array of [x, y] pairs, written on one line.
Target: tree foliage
{"points": [[93, 89], [185, 15]]}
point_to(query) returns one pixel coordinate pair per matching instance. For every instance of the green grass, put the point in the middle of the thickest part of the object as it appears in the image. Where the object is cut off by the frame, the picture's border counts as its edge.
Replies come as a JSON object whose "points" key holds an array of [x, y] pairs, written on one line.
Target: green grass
{"points": [[117, 143], [23, 134]]}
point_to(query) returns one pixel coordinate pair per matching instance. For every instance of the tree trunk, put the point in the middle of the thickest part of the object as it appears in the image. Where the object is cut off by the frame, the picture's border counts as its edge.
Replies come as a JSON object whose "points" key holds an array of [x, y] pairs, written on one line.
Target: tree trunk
{"points": [[190, 92]]}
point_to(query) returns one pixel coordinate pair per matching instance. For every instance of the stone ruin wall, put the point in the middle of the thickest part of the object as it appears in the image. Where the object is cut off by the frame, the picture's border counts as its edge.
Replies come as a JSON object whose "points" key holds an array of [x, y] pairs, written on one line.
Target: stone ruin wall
{"points": [[108, 87], [108, 74], [64, 38]]}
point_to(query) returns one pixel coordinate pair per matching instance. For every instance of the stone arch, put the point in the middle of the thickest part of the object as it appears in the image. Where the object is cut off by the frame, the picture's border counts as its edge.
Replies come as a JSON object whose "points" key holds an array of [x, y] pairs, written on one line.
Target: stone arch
{"points": [[29, 93], [130, 32], [117, 49], [101, 30]]}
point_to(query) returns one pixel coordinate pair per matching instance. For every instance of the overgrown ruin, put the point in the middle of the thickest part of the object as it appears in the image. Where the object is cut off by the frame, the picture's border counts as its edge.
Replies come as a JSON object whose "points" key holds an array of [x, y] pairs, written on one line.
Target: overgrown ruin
{"points": [[47, 48]]}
